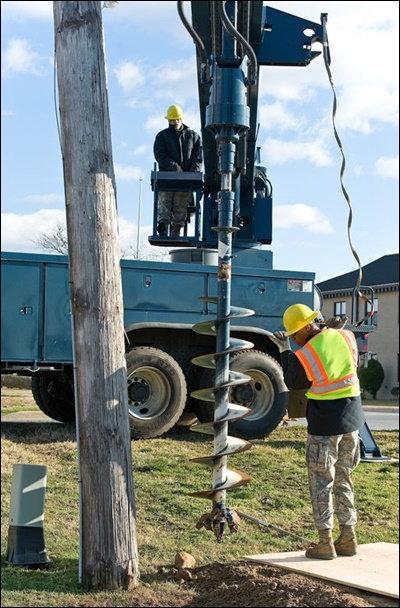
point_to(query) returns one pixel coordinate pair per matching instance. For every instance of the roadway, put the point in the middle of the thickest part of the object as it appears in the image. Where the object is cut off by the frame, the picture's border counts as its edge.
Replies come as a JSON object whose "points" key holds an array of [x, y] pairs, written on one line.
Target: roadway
{"points": [[379, 418]]}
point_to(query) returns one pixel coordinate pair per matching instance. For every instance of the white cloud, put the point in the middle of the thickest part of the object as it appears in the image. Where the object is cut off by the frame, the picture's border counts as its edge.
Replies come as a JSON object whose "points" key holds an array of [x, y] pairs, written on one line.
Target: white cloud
{"points": [[280, 152], [170, 80], [361, 107], [127, 237], [387, 168], [18, 232], [173, 72], [278, 116], [127, 173], [291, 83], [19, 57], [128, 75], [310, 218]]}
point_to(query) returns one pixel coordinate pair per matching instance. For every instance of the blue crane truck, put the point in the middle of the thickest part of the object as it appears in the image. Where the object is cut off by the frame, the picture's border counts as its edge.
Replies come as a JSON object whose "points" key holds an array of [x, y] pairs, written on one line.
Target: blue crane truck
{"points": [[170, 306], [162, 302]]}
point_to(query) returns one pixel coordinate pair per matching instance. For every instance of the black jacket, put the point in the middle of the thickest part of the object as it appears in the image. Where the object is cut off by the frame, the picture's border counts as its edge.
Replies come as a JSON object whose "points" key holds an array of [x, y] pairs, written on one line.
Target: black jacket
{"points": [[178, 150], [327, 417]]}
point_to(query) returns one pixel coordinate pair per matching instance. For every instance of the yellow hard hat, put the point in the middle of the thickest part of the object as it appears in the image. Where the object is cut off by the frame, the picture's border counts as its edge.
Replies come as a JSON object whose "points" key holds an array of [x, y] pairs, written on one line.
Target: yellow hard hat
{"points": [[298, 316], [174, 112]]}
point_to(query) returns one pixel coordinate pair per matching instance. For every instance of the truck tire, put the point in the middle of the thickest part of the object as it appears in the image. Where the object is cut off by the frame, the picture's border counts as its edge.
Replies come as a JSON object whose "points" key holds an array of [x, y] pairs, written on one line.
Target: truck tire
{"points": [[54, 397], [156, 392], [266, 395]]}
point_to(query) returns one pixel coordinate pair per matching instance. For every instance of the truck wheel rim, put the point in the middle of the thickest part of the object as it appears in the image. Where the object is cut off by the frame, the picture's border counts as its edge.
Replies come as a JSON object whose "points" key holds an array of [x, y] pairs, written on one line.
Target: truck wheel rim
{"points": [[149, 393], [257, 395]]}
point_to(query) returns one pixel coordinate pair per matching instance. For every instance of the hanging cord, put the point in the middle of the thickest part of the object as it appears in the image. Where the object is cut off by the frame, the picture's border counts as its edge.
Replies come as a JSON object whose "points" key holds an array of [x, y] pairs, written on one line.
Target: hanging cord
{"points": [[358, 291], [248, 49], [197, 41]]}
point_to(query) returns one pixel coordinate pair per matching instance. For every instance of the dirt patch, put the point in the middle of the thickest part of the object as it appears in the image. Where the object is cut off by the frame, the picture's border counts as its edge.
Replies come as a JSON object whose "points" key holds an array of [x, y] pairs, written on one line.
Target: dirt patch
{"points": [[255, 585]]}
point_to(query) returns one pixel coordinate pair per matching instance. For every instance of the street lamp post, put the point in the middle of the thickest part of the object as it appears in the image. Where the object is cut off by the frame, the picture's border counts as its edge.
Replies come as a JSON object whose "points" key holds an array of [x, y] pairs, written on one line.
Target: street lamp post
{"points": [[139, 218]]}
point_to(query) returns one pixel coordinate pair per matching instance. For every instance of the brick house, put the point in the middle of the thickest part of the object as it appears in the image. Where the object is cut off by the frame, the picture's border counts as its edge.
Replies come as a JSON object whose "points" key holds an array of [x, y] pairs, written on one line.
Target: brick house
{"points": [[380, 283]]}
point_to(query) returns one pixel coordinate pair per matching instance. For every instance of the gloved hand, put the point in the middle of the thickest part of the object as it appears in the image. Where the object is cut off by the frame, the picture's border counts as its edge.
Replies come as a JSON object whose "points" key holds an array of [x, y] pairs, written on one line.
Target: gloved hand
{"points": [[281, 340], [336, 322]]}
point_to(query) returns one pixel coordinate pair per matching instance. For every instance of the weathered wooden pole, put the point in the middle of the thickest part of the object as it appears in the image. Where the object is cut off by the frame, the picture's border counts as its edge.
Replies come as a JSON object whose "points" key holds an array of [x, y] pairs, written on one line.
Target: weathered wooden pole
{"points": [[109, 558]]}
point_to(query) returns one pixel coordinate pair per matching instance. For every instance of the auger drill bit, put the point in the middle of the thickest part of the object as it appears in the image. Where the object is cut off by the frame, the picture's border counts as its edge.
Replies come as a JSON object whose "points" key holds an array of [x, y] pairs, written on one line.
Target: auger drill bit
{"points": [[232, 70], [224, 445]]}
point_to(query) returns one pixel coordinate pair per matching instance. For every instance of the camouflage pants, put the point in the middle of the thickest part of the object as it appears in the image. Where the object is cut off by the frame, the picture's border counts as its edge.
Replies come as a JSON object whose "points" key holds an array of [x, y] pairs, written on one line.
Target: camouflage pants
{"points": [[173, 206], [330, 462]]}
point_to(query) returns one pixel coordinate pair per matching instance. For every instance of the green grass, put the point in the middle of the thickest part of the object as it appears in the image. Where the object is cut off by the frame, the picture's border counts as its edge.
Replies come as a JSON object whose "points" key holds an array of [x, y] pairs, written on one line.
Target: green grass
{"points": [[167, 515]]}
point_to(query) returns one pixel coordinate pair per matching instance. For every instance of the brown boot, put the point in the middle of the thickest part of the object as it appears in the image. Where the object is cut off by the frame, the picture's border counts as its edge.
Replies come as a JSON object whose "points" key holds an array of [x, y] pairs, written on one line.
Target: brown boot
{"points": [[324, 549], [346, 544]]}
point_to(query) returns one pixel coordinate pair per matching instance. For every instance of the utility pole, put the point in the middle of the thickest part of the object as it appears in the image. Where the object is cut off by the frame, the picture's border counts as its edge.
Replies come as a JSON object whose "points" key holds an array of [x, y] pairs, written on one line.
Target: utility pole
{"points": [[109, 558]]}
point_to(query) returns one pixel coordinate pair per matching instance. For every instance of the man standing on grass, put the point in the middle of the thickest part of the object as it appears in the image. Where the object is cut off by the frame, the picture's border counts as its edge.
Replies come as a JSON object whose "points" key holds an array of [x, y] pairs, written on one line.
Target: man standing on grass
{"points": [[326, 366]]}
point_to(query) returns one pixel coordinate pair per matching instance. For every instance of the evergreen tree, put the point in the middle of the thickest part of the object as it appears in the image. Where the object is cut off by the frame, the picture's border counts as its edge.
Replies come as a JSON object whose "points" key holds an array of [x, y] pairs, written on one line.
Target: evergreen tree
{"points": [[371, 377]]}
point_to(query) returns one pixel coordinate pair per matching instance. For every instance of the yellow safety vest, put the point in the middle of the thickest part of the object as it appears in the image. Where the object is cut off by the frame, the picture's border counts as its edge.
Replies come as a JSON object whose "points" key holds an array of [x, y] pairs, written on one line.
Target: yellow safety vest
{"points": [[330, 361]]}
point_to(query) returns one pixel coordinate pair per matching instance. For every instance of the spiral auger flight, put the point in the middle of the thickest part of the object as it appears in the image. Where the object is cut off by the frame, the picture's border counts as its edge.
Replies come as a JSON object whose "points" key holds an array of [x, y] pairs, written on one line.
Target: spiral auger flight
{"points": [[229, 70], [225, 445]]}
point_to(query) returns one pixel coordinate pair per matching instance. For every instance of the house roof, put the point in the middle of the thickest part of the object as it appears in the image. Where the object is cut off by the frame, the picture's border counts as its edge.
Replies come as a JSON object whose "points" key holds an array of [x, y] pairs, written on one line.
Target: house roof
{"points": [[382, 271]]}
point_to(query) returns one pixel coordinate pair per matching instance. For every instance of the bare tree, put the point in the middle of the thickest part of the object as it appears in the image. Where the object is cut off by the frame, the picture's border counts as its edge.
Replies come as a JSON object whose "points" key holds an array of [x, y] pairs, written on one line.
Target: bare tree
{"points": [[56, 241], [109, 558], [158, 254]]}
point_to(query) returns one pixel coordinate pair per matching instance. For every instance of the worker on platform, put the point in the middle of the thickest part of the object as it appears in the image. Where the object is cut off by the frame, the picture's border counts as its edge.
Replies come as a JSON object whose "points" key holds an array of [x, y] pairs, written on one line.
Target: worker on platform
{"points": [[325, 364], [176, 148]]}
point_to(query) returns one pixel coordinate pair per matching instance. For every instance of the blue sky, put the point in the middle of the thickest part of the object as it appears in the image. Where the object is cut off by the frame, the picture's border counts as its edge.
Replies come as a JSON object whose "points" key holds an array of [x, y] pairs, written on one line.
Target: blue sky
{"points": [[151, 64]]}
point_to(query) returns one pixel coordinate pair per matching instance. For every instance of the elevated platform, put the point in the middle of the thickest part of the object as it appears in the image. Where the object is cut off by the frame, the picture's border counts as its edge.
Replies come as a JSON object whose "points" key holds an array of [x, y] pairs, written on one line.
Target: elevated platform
{"points": [[178, 181]]}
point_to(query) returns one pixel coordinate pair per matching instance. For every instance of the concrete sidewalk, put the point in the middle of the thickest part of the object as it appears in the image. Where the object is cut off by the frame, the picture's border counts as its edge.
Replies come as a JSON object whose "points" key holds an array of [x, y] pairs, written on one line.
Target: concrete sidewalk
{"points": [[391, 409]]}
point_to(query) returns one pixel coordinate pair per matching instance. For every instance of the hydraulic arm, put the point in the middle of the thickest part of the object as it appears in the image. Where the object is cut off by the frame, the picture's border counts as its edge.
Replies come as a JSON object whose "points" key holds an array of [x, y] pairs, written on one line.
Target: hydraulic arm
{"points": [[232, 40]]}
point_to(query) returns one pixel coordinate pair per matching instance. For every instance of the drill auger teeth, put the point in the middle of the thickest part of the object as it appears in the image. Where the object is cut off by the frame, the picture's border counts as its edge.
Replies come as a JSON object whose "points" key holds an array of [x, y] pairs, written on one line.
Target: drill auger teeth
{"points": [[216, 520], [234, 479]]}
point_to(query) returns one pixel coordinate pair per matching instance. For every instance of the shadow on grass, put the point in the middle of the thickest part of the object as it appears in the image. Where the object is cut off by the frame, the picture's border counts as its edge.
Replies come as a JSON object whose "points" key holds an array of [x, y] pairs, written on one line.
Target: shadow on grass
{"points": [[37, 432], [60, 575], [49, 432]]}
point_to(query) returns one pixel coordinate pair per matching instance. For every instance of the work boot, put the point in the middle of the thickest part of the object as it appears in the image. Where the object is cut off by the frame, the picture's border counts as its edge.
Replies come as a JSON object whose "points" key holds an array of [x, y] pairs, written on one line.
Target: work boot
{"points": [[324, 549], [162, 228], [176, 230], [346, 544]]}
